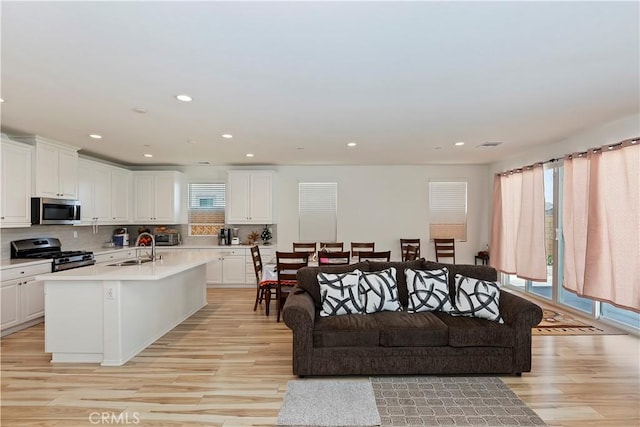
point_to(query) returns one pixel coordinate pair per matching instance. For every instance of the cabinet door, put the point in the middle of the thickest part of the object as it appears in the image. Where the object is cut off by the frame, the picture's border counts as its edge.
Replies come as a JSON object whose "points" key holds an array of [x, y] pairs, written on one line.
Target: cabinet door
{"points": [[32, 296], [85, 191], [233, 270], [214, 267], [164, 198], [68, 174], [15, 209], [10, 303], [261, 200], [47, 167], [102, 193], [120, 193], [144, 197], [237, 198]]}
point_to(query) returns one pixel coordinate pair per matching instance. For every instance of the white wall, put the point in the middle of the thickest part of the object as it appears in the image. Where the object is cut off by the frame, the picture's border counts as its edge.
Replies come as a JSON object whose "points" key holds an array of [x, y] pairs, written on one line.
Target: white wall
{"points": [[609, 133], [376, 203]]}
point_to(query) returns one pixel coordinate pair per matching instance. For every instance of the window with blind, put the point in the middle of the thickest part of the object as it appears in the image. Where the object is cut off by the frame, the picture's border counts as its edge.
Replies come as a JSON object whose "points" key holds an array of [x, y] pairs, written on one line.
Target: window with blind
{"points": [[448, 210], [318, 211], [206, 208]]}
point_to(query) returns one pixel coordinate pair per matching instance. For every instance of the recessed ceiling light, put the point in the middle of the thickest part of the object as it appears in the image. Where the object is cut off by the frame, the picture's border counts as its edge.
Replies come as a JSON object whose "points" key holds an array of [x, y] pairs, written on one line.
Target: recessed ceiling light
{"points": [[95, 136], [148, 155], [351, 144], [459, 144], [140, 110], [1, 100], [226, 136], [184, 98], [249, 154]]}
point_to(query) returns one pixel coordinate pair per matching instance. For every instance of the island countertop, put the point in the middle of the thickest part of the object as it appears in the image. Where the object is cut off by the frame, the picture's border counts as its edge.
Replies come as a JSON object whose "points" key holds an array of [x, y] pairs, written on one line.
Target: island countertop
{"points": [[171, 262]]}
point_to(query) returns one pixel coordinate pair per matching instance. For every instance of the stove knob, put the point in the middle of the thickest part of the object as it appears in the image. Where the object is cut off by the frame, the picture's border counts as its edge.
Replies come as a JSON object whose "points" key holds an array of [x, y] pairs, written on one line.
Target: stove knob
{"points": [[65, 259]]}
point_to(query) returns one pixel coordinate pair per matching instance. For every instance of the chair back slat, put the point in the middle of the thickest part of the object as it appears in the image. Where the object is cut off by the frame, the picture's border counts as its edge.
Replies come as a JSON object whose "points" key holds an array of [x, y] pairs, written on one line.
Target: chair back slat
{"points": [[288, 264], [333, 258], [445, 248], [257, 262], [383, 256], [357, 247], [404, 243], [332, 246]]}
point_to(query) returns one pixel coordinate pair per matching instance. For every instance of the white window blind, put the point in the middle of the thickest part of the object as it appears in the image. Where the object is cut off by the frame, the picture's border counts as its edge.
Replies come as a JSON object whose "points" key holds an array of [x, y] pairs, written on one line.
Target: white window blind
{"points": [[206, 208], [448, 209], [318, 210]]}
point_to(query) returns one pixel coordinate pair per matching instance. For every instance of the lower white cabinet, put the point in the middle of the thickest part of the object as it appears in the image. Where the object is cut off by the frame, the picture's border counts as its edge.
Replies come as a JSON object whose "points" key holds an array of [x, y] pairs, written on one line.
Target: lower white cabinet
{"points": [[21, 297], [114, 256], [228, 267]]}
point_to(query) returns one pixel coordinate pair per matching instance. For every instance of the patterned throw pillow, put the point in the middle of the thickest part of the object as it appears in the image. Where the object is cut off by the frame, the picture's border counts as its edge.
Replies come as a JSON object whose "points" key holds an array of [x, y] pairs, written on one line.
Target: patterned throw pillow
{"points": [[339, 293], [379, 291], [477, 298], [428, 290]]}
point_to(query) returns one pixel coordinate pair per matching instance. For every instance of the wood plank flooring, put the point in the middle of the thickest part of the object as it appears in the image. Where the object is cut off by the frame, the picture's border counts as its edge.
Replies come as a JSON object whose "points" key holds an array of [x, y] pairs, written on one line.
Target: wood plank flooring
{"points": [[229, 366]]}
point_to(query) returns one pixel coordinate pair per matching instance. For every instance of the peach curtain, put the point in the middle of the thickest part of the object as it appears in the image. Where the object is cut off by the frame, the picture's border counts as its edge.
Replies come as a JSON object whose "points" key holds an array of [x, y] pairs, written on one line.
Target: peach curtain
{"points": [[602, 208], [517, 237]]}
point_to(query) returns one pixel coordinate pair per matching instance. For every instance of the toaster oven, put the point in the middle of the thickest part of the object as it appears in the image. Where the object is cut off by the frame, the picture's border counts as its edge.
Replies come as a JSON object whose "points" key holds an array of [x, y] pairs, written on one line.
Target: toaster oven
{"points": [[167, 239]]}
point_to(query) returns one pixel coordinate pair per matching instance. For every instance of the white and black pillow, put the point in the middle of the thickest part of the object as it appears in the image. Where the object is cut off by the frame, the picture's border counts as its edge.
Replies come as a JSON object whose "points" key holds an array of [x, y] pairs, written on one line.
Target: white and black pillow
{"points": [[477, 298], [428, 290], [379, 291], [339, 293]]}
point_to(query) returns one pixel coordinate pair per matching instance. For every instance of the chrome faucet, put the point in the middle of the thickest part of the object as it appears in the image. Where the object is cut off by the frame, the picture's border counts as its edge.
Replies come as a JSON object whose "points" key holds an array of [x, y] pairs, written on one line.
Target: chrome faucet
{"points": [[153, 244]]}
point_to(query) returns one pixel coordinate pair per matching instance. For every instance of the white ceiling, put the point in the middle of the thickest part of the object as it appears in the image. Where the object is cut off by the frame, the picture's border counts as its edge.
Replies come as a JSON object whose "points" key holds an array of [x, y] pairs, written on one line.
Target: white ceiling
{"points": [[295, 81]]}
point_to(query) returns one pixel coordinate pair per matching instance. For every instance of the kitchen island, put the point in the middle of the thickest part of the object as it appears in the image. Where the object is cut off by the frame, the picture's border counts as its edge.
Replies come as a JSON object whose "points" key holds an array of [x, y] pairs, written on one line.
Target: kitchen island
{"points": [[109, 313]]}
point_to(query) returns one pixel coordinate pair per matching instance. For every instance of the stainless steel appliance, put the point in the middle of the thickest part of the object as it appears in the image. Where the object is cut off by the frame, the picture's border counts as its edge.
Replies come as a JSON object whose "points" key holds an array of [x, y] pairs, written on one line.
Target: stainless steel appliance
{"points": [[225, 236], [167, 239], [50, 247], [45, 211]]}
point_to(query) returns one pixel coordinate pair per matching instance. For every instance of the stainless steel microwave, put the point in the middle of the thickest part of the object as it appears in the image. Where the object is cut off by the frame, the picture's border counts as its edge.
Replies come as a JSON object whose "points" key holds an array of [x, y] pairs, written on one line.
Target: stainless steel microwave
{"points": [[45, 211]]}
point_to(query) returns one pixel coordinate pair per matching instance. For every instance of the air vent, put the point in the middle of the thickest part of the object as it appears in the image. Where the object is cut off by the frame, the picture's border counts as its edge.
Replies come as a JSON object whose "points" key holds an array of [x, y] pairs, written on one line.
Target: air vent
{"points": [[490, 144], [202, 163]]}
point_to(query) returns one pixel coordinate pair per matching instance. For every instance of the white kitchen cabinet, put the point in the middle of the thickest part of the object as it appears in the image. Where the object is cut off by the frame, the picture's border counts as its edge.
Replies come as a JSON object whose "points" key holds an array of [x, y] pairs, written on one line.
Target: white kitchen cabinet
{"points": [[15, 203], [228, 267], [249, 197], [160, 197], [55, 167], [104, 193], [21, 297], [109, 257]]}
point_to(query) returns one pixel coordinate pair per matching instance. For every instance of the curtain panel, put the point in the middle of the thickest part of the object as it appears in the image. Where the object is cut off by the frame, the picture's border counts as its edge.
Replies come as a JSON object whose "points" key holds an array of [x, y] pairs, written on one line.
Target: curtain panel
{"points": [[601, 224], [518, 236]]}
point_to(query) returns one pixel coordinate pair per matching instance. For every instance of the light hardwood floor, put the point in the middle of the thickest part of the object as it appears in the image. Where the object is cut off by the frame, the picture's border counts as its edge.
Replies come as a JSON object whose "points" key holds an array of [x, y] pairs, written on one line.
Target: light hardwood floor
{"points": [[229, 366]]}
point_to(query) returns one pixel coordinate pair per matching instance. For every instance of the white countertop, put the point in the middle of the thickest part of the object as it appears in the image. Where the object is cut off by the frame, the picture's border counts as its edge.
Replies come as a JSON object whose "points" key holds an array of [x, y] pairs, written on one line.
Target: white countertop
{"points": [[171, 263], [22, 262]]}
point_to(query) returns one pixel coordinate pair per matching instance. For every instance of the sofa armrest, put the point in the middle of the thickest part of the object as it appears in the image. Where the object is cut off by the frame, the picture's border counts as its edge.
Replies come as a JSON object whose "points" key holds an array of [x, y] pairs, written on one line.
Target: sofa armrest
{"points": [[516, 310], [299, 313]]}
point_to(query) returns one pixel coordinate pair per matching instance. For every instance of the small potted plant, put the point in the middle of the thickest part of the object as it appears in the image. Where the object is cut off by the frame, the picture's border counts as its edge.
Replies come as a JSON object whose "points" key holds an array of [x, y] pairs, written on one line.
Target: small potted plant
{"points": [[266, 235]]}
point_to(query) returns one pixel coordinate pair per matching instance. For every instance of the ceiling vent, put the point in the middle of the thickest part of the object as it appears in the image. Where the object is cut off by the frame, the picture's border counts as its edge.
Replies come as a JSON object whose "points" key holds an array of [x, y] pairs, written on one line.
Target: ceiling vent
{"points": [[490, 144], [202, 163]]}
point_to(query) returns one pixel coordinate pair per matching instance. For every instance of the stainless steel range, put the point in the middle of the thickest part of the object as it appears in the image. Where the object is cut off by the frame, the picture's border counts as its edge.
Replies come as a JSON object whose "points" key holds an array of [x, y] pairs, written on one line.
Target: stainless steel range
{"points": [[50, 247]]}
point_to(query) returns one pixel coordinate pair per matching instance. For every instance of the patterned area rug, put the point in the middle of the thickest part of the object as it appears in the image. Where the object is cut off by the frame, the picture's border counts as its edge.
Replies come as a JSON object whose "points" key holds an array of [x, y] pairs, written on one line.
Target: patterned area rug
{"points": [[554, 323], [453, 401]]}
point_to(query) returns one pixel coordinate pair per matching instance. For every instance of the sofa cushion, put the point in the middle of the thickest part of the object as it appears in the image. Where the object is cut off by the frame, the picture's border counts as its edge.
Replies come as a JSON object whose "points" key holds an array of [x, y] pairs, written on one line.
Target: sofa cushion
{"points": [[400, 277], [477, 298], [339, 293], [402, 329], [350, 330], [308, 280], [428, 290], [379, 291], [474, 332]]}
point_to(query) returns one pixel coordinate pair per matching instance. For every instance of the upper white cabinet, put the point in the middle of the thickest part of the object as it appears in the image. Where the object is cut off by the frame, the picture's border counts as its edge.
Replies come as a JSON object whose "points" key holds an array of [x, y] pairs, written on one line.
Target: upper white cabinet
{"points": [[249, 197], [104, 191], [160, 197], [15, 203], [56, 168]]}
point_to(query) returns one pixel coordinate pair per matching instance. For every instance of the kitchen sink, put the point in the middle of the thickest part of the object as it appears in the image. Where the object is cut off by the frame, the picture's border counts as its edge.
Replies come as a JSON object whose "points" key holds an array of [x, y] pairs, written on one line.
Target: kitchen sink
{"points": [[130, 262]]}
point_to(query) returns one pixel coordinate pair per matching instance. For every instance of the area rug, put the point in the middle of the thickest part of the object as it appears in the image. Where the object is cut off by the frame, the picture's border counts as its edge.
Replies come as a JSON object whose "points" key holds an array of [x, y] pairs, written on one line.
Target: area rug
{"points": [[453, 401], [329, 403], [555, 323]]}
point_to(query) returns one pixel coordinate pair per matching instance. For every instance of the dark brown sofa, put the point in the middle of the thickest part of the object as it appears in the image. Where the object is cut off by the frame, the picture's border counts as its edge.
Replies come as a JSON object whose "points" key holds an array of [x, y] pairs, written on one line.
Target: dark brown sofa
{"points": [[388, 343]]}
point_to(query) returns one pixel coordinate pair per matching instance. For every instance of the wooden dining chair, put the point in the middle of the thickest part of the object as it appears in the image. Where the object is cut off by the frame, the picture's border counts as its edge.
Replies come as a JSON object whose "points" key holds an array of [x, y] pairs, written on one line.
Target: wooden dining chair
{"points": [[332, 246], [309, 248], [262, 289], [410, 253], [356, 248], [287, 265], [333, 258], [384, 256], [404, 243], [445, 248]]}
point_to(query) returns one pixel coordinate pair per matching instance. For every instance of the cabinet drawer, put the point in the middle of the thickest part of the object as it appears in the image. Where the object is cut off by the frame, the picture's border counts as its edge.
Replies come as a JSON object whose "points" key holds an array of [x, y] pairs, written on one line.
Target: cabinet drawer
{"points": [[19, 272]]}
